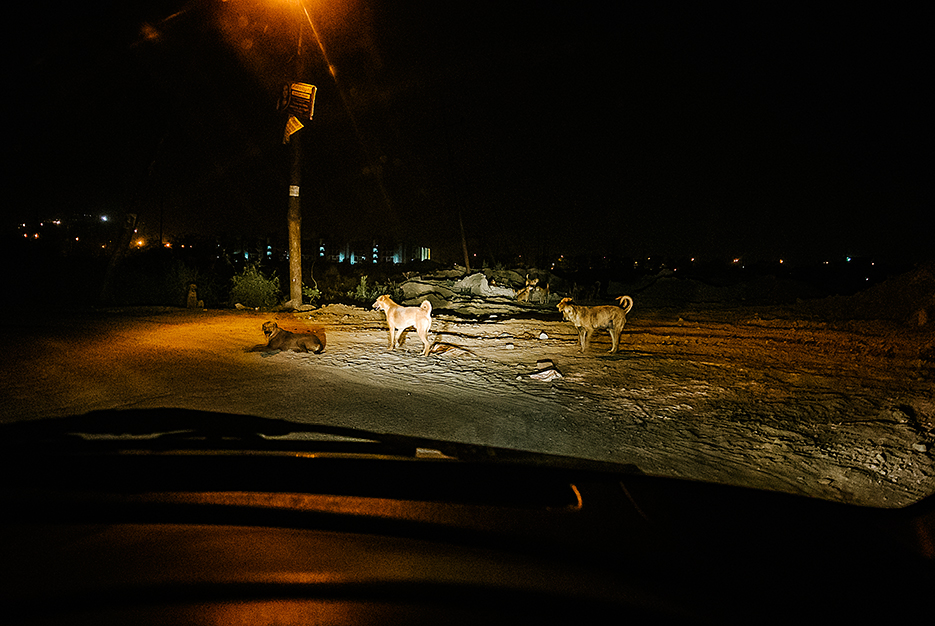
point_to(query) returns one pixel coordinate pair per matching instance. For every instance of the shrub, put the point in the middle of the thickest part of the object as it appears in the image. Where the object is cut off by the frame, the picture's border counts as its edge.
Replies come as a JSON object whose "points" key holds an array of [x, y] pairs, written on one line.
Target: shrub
{"points": [[253, 289], [311, 294], [368, 293]]}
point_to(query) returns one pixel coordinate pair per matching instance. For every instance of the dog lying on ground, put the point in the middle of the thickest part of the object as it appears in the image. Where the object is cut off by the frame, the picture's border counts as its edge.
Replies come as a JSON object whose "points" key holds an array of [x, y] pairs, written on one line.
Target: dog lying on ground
{"points": [[280, 339], [587, 319], [399, 318]]}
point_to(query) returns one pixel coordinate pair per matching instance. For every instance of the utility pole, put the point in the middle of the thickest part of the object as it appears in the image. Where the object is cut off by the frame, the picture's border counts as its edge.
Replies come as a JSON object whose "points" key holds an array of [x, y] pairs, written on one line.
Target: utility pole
{"points": [[299, 102], [295, 202], [294, 217], [467, 260]]}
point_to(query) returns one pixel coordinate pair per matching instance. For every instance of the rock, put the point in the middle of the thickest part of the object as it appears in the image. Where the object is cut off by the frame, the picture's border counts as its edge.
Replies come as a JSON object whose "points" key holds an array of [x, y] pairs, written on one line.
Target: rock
{"points": [[476, 305], [920, 447], [415, 288], [506, 277], [435, 299], [542, 335], [345, 310], [470, 284], [472, 295], [546, 375], [477, 285]]}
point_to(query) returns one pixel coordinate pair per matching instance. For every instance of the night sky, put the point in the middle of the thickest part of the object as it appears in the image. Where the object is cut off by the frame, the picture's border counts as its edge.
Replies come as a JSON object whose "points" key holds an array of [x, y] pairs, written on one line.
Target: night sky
{"points": [[754, 129]]}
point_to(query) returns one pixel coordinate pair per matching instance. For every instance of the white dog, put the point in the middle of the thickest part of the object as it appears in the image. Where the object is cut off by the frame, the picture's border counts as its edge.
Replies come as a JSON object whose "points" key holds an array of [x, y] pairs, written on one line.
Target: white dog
{"points": [[399, 318]]}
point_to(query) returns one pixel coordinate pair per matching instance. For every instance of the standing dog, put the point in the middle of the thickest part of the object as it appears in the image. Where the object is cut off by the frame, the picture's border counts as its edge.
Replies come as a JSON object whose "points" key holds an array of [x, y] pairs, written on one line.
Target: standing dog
{"points": [[587, 319], [279, 339], [399, 318]]}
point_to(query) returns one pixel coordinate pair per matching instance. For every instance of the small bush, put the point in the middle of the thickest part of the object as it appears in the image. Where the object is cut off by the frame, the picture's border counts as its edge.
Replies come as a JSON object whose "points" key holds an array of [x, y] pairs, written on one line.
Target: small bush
{"points": [[367, 293], [253, 289], [310, 294]]}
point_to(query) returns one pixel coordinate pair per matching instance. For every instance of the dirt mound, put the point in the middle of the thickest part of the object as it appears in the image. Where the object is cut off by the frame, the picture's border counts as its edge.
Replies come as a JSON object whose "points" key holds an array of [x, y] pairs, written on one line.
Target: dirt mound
{"points": [[907, 298]]}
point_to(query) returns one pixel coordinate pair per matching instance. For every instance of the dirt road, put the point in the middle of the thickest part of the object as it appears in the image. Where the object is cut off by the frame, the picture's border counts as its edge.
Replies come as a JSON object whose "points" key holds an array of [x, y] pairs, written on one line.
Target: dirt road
{"points": [[844, 412]]}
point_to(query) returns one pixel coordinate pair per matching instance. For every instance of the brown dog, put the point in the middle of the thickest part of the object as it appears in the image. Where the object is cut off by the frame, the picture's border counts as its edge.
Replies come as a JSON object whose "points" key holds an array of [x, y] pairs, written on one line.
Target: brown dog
{"points": [[279, 339], [399, 318], [587, 319], [532, 292]]}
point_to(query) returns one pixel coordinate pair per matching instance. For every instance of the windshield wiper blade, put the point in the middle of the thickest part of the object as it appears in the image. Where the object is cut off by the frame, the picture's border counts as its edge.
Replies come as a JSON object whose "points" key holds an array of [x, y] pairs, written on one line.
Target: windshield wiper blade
{"points": [[175, 428]]}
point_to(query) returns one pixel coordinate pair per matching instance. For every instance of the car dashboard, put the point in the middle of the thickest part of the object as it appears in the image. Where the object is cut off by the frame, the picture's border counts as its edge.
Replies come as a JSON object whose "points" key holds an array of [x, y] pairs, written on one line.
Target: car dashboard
{"points": [[210, 534]]}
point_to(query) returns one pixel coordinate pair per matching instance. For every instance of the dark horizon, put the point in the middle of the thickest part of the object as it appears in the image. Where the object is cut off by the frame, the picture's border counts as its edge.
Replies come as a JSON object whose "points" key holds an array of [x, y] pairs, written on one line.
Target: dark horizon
{"points": [[673, 131]]}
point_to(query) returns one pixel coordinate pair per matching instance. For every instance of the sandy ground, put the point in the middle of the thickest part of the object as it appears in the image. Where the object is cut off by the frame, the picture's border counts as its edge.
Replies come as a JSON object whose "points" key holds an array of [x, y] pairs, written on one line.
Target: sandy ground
{"points": [[745, 396]]}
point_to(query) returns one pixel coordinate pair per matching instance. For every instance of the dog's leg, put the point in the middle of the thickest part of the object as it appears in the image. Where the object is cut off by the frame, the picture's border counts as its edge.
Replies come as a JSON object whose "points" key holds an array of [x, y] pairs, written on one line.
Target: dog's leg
{"points": [[401, 336], [582, 339], [424, 336], [392, 337], [614, 339]]}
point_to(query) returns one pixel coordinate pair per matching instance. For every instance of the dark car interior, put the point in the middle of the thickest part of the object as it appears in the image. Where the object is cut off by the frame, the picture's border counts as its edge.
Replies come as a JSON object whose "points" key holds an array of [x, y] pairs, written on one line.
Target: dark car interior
{"points": [[237, 523]]}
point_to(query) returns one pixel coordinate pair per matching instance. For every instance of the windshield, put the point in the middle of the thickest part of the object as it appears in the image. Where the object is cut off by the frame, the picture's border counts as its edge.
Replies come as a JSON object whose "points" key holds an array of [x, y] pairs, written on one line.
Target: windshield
{"points": [[678, 238]]}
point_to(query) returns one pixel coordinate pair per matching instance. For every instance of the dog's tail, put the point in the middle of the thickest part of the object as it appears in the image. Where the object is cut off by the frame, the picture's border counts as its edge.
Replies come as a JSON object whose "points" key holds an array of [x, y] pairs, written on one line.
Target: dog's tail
{"points": [[426, 306], [629, 305]]}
